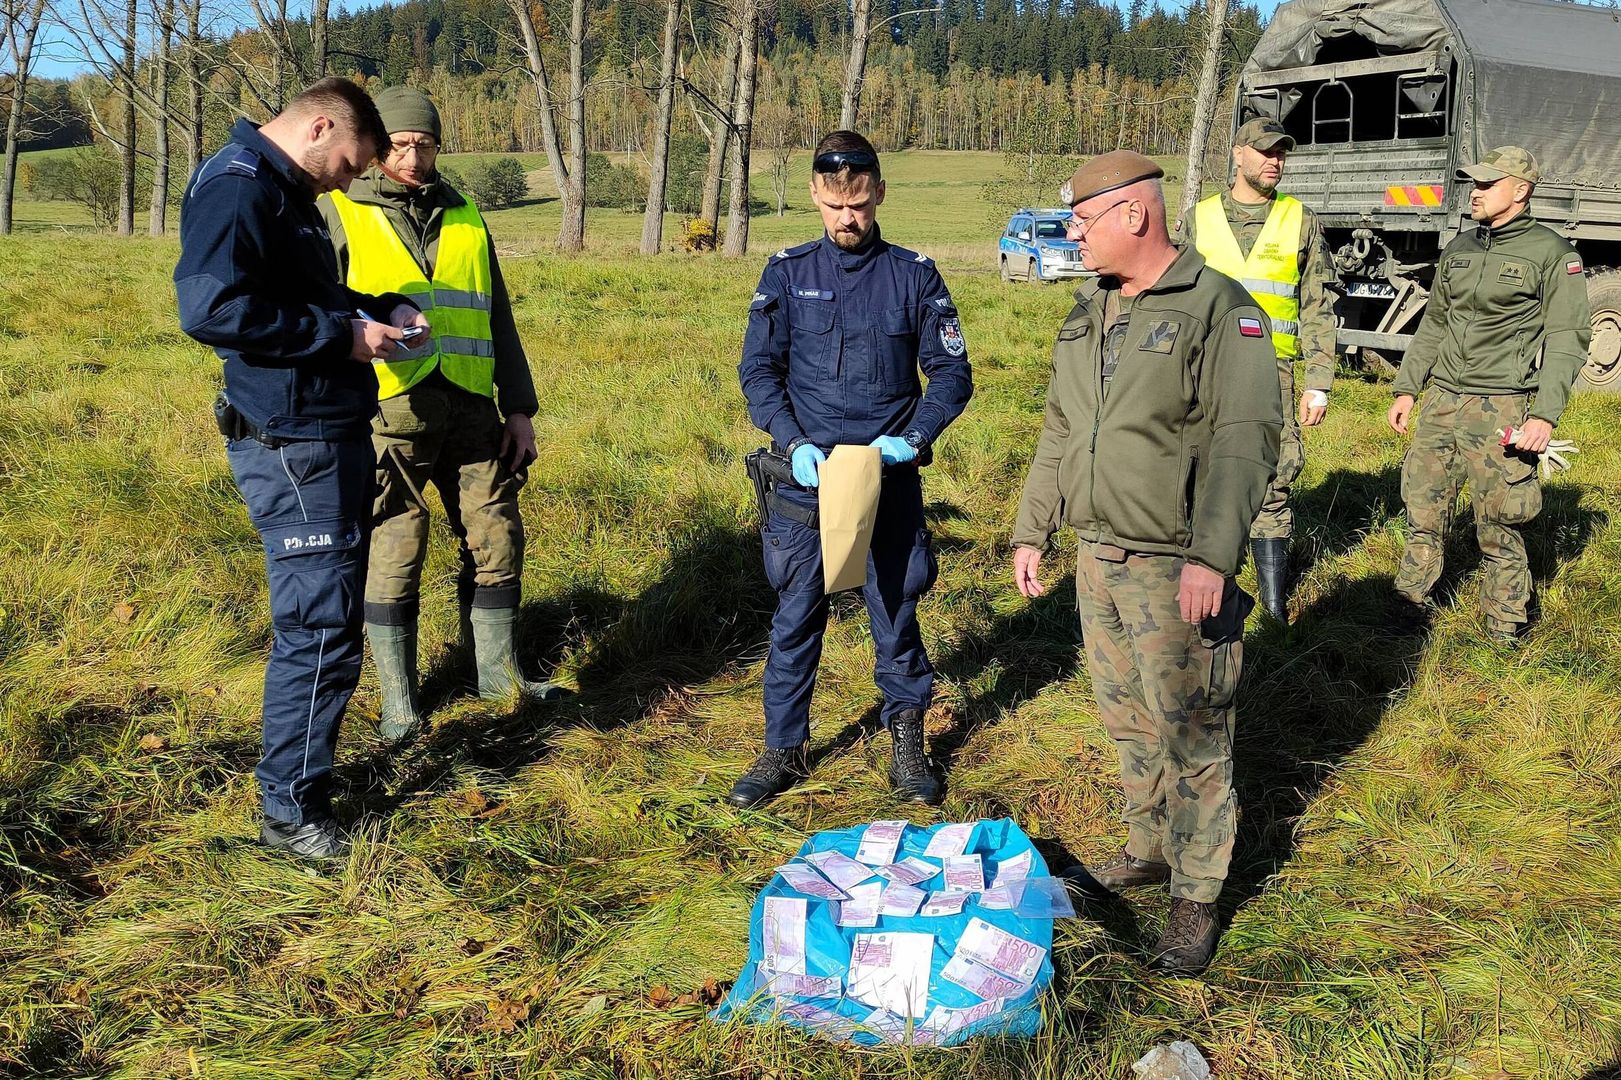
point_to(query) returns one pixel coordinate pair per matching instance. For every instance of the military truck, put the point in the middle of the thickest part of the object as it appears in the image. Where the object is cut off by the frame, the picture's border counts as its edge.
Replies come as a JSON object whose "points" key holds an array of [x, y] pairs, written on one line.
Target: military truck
{"points": [[1387, 98]]}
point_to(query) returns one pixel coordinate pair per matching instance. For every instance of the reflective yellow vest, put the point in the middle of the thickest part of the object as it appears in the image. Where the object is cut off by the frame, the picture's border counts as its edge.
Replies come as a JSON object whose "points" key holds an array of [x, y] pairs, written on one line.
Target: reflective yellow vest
{"points": [[456, 301], [1272, 271]]}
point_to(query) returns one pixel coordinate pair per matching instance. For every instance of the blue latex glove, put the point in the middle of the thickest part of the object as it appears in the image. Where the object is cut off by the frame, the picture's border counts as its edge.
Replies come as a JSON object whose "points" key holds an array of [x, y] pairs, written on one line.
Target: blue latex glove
{"points": [[806, 460], [894, 450]]}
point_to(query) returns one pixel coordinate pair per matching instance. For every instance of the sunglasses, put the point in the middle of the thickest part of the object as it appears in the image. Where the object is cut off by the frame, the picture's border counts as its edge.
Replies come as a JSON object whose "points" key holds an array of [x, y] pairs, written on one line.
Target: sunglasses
{"points": [[839, 160]]}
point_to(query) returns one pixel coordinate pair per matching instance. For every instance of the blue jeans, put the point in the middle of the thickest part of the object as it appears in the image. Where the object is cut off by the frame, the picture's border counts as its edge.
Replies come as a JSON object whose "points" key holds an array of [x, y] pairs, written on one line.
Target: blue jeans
{"points": [[900, 568], [310, 502]]}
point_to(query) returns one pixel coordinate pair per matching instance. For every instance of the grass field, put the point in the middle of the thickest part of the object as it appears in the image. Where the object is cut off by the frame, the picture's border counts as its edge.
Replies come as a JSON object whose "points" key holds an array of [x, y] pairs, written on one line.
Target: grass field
{"points": [[1428, 879]]}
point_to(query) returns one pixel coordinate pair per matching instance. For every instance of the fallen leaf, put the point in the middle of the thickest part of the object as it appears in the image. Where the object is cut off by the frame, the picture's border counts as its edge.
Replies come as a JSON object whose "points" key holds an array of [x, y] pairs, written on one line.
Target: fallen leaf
{"points": [[124, 612], [79, 994], [472, 946], [711, 992], [661, 997], [153, 743], [475, 801], [506, 1015], [594, 1006]]}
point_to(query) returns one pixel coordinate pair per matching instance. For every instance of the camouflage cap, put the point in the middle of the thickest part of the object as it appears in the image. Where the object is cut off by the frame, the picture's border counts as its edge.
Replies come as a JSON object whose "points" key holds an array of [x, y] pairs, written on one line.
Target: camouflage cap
{"points": [[1501, 161], [1106, 172], [1263, 133]]}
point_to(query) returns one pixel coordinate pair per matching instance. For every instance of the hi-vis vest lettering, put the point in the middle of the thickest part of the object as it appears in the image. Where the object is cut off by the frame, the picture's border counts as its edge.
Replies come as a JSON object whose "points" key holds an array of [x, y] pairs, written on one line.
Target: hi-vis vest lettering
{"points": [[456, 301], [1272, 271]]}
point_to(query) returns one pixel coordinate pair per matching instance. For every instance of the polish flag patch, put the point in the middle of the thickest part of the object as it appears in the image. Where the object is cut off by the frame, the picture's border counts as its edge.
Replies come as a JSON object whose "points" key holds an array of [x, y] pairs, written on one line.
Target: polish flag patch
{"points": [[1573, 266], [1250, 327]]}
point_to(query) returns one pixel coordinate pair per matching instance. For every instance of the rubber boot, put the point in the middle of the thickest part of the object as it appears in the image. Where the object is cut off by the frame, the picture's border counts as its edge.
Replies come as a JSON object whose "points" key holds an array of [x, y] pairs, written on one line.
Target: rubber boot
{"points": [[912, 774], [394, 651], [1272, 576], [495, 656]]}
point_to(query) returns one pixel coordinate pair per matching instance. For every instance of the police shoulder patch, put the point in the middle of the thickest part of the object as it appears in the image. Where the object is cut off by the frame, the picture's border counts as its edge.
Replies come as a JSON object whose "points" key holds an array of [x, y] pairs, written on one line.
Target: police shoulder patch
{"points": [[951, 339], [909, 256], [796, 252]]}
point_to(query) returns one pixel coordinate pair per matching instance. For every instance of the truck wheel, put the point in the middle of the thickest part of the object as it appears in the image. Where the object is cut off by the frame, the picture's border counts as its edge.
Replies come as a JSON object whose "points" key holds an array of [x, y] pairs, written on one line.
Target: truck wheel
{"points": [[1030, 273], [1603, 369], [1006, 276]]}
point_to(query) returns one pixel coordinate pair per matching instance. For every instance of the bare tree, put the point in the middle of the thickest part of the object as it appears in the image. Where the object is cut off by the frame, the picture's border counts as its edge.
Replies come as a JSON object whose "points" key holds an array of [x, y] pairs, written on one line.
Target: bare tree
{"points": [[719, 132], [856, 71], [318, 46], [193, 52], [570, 175], [22, 19], [659, 171], [737, 217], [126, 143], [1204, 108], [157, 219]]}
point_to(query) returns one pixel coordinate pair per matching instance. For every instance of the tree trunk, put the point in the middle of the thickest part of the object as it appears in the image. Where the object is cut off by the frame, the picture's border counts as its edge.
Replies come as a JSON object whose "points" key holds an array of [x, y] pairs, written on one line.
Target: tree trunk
{"points": [[318, 38], [194, 83], [543, 91], [856, 72], [157, 219], [658, 173], [571, 237], [21, 41], [721, 143], [126, 150], [737, 217], [1204, 106]]}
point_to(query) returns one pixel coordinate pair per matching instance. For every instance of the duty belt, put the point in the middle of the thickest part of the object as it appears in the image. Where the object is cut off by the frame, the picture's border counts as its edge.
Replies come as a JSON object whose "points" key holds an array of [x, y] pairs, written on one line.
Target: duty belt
{"points": [[233, 425], [771, 471]]}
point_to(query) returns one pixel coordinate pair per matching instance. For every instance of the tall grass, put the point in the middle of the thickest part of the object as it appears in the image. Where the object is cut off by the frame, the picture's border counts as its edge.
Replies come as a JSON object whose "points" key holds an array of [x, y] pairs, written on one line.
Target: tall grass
{"points": [[1429, 874]]}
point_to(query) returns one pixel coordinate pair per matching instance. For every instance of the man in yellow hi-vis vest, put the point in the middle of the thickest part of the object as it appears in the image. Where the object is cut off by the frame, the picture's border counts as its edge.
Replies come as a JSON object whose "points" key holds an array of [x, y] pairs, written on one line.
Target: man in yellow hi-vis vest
{"points": [[1271, 243], [440, 414]]}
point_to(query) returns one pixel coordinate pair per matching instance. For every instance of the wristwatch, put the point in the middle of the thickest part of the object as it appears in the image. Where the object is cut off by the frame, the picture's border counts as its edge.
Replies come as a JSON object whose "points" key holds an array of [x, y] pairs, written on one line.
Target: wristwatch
{"points": [[915, 439]]}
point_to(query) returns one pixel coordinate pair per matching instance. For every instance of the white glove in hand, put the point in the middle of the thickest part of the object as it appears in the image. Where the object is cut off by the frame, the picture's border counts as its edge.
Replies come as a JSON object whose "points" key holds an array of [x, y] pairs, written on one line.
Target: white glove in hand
{"points": [[1555, 458]]}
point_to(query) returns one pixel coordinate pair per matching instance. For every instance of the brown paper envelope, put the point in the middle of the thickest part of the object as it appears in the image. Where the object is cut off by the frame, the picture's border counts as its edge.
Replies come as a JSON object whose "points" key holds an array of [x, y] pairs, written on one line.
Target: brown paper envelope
{"points": [[848, 506]]}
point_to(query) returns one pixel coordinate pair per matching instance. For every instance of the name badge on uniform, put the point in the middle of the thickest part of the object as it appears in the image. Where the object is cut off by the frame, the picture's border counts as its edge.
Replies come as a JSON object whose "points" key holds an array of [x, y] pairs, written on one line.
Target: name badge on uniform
{"points": [[1161, 337], [812, 294], [1459, 262]]}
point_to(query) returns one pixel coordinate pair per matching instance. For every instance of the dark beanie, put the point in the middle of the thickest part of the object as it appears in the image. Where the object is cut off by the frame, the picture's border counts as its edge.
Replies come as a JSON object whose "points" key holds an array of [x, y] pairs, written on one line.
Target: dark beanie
{"points": [[405, 108]]}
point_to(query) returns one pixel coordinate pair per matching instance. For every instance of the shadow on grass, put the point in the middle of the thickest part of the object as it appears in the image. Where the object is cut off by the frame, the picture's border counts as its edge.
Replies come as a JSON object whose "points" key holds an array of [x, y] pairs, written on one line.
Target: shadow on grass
{"points": [[1611, 1071], [706, 614]]}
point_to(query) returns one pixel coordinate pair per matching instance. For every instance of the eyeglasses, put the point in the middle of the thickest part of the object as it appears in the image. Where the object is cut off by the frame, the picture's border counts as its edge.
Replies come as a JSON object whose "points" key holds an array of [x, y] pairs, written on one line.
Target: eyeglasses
{"points": [[422, 148], [839, 160], [1078, 228]]}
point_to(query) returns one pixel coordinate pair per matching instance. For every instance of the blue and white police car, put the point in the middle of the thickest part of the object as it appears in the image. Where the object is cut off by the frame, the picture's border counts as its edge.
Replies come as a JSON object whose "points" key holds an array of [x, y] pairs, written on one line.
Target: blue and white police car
{"points": [[1034, 248]]}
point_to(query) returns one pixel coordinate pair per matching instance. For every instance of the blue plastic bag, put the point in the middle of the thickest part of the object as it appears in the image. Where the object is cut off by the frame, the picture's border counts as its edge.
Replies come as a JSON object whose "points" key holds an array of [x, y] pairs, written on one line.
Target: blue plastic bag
{"points": [[828, 949]]}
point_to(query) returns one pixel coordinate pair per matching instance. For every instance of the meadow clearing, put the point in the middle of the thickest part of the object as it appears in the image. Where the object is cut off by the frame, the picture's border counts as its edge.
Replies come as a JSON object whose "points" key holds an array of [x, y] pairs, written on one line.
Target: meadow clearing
{"points": [[1428, 876]]}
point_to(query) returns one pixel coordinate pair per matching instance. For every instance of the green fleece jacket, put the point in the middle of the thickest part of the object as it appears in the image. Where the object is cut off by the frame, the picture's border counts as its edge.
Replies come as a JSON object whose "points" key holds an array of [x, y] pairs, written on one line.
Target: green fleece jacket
{"points": [[1508, 314], [1175, 460], [416, 214]]}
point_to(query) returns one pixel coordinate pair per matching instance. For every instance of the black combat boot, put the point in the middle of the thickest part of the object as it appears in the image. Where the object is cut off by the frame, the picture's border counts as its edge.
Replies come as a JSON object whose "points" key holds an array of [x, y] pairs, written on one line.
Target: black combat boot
{"points": [[773, 772], [1272, 576], [1189, 940], [318, 840], [1106, 879], [912, 774]]}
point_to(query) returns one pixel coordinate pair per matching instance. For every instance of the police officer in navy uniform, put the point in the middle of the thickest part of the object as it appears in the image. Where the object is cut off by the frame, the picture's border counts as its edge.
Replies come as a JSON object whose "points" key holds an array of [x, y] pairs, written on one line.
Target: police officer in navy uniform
{"points": [[257, 281], [837, 331]]}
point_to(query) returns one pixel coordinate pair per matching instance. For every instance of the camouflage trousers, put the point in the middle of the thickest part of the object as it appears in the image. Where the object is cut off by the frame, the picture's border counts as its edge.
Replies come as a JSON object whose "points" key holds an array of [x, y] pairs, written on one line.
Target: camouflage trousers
{"points": [[1165, 692], [1276, 520], [1459, 438], [439, 434]]}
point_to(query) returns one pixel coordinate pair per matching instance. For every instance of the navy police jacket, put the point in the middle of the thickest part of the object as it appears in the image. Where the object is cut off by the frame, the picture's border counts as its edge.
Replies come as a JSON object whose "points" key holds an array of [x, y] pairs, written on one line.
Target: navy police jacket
{"points": [[258, 282], [835, 340]]}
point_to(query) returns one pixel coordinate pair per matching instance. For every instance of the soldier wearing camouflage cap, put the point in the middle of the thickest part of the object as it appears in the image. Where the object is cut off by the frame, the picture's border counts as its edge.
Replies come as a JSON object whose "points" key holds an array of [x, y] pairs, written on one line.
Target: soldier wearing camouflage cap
{"points": [[1159, 440], [1499, 347], [1271, 243]]}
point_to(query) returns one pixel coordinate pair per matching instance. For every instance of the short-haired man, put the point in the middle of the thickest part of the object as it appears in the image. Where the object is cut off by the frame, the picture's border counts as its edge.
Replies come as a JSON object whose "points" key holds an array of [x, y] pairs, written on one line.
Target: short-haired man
{"points": [[1159, 440], [401, 226], [838, 329], [1272, 245], [1499, 347], [257, 281]]}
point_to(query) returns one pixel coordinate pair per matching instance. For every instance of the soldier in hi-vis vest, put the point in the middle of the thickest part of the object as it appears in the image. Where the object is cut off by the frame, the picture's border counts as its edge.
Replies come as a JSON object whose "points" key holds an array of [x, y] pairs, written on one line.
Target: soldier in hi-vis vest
{"points": [[453, 411], [1271, 244]]}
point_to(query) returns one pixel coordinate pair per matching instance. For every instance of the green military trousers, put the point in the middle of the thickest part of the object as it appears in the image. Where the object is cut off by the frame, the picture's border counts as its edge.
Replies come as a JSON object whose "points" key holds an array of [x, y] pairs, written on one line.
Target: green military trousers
{"points": [[439, 434], [1459, 439], [1165, 692], [1276, 520]]}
